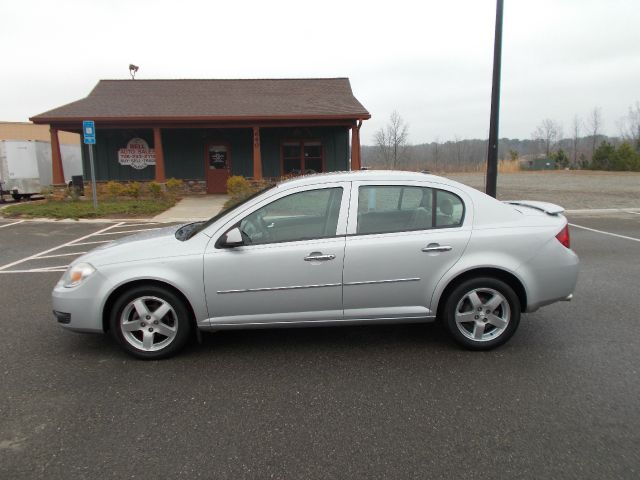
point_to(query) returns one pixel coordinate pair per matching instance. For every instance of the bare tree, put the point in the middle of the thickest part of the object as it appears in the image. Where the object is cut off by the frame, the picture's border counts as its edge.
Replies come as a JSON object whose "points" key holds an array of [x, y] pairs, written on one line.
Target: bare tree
{"points": [[391, 140], [436, 144], [630, 126], [549, 133], [575, 137], [594, 126], [460, 150]]}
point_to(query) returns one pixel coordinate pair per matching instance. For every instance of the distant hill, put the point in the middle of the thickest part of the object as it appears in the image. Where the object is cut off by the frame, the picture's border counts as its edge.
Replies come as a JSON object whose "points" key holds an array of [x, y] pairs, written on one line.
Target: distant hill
{"points": [[471, 154]]}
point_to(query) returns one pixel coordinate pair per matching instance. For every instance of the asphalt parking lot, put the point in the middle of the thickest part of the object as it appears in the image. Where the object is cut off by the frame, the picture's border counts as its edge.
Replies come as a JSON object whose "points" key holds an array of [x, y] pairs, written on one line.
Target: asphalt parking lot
{"points": [[560, 400]]}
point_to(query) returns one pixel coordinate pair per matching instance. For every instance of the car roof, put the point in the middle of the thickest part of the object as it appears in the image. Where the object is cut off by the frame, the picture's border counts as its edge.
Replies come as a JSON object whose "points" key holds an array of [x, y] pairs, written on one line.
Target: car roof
{"points": [[366, 175]]}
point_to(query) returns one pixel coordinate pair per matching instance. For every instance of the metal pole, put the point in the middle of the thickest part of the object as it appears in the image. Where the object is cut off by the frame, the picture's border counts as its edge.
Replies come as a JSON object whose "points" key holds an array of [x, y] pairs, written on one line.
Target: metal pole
{"points": [[93, 179], [492, 154]]}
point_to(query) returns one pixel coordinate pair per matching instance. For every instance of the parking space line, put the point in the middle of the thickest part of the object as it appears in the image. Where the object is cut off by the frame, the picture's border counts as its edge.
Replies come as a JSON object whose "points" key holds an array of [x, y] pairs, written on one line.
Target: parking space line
{"points": [[634, 213], [89, 243], [60, 255], [14, 223], [31, 257], [36, 270], [140, 224], [605, 233], [129, 231]]}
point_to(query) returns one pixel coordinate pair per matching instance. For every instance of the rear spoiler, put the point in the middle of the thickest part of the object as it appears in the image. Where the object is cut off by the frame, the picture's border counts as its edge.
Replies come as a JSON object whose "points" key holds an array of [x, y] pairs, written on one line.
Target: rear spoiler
{"points": [[548, 208]]}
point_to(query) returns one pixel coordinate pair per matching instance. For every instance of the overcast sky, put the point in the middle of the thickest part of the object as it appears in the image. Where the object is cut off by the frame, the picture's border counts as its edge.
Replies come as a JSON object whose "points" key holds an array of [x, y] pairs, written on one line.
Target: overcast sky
{"points": [[429, 60]]}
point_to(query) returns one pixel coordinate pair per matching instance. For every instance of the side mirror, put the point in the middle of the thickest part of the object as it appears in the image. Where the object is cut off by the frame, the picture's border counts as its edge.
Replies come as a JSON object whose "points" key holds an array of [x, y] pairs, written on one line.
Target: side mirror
{"points": [[233, 238]]}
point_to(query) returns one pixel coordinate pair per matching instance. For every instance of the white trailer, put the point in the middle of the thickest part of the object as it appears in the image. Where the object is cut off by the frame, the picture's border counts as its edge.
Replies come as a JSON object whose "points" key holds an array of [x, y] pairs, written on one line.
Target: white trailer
{"points": [[25, 166]]}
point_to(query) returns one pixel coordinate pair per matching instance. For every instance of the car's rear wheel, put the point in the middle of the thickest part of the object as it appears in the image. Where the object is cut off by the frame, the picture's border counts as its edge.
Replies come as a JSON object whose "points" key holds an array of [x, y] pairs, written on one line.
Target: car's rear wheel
{"points": [[150, 322], [482, 313]]}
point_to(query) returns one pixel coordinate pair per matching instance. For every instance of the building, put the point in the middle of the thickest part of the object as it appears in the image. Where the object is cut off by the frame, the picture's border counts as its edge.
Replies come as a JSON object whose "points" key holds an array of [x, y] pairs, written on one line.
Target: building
{"points": [[537, 162], [202, 131], [26, 131]]}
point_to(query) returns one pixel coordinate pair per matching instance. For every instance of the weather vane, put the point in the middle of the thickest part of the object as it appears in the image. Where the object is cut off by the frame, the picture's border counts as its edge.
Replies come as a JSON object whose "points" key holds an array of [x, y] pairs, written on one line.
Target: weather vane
{"points": [[133, 69]]}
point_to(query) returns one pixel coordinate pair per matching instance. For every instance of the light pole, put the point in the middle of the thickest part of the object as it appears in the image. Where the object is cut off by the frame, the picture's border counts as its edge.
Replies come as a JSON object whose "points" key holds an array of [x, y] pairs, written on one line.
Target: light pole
{"points": [[492, 154]]}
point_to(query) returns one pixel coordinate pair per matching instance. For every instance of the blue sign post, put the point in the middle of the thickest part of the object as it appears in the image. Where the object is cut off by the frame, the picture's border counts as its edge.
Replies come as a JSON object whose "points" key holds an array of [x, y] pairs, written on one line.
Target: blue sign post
{"points": [[89, 132], [89, 135]]}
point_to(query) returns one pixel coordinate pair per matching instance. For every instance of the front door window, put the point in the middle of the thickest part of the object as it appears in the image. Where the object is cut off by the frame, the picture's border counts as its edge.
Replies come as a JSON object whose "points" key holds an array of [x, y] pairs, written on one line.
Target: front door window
{"points": [[217, 157], [305, 215]]}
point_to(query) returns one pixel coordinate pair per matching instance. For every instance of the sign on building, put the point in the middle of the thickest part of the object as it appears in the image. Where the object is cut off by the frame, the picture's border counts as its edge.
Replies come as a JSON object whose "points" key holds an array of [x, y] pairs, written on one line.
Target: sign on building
{"points": [[137, 154]]}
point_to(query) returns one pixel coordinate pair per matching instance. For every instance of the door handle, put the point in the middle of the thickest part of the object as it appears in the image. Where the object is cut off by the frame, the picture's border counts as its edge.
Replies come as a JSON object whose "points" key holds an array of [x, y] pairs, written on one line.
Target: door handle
{"points": [[434, 247], [318, 257]]}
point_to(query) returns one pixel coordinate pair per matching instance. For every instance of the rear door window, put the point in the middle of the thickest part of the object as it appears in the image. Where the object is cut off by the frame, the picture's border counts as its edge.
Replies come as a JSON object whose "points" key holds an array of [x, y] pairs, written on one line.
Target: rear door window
{"points": [[391, 208], [449, 210]]}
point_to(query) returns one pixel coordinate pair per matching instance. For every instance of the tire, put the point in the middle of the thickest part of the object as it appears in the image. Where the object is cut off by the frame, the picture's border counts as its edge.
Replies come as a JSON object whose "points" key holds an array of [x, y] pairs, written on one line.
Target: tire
{"points": [[482, 313], [150, 322]]}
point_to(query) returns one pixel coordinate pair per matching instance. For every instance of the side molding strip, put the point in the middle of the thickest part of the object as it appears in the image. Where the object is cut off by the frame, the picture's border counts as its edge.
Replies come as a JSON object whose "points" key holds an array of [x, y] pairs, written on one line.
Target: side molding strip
{"points": [[395, 280], [275, 289]]}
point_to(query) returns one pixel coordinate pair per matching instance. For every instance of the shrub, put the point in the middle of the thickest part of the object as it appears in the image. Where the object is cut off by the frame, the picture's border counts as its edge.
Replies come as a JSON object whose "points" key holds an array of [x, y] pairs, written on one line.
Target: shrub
{"points": [[134, 189], [155, 189], [174, 185], [113, 189], [238, 186]]}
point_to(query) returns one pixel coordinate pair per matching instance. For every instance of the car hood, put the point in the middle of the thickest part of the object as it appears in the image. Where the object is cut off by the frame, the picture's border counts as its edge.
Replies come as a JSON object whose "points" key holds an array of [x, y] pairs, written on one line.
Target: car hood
{"points": [[161, 243]]}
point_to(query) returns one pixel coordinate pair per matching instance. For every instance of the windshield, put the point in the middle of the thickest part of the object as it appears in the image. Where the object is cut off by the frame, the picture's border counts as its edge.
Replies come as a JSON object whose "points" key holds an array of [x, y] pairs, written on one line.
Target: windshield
{"points": [[188, 231]]}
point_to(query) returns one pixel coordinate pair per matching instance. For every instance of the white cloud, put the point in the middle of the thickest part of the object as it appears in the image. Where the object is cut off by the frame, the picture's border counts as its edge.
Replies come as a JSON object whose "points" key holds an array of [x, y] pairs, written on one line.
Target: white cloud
{"points": [[429, 60]]}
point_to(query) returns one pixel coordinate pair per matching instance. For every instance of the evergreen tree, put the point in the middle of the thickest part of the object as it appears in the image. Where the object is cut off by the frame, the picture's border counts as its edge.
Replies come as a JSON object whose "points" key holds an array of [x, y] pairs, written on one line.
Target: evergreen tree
{"points": [[603, 157], [625, 158], [561, 158]]}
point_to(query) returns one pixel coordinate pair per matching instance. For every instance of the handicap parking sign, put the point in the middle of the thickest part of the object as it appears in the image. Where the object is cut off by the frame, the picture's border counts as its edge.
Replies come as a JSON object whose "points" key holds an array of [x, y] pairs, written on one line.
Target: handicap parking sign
{"points": [[89, 132]]}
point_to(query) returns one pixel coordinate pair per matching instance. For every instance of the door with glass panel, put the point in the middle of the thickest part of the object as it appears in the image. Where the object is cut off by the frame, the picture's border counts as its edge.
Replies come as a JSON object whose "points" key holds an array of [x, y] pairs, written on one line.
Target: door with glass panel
{"points": [[401, 239], [217, 166], [290, 266]]}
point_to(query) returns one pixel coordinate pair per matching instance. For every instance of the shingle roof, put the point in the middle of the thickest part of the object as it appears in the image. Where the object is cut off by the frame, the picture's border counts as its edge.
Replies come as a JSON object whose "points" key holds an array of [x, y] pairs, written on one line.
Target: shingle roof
{"points": [[314, 98]]}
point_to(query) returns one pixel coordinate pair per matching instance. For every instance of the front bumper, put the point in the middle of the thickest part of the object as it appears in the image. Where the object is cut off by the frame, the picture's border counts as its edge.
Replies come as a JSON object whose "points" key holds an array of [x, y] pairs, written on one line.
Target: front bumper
{"points": [[79, 308]]}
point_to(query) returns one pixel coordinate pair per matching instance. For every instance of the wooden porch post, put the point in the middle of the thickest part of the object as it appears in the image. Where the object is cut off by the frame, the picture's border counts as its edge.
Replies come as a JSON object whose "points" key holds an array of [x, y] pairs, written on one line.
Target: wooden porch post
{"points": [[56, 158], [355, 146], [157, 148], [257, 159]]}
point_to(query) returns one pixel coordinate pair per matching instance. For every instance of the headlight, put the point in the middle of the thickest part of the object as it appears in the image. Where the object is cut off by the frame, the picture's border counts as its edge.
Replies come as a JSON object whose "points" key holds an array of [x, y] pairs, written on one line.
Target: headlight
{"points": [[76, 274]]}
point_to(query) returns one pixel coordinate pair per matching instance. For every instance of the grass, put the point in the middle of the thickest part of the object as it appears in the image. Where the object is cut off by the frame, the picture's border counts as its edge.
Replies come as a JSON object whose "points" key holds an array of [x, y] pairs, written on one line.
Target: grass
{"points": [[84, 208], [508, 166]]}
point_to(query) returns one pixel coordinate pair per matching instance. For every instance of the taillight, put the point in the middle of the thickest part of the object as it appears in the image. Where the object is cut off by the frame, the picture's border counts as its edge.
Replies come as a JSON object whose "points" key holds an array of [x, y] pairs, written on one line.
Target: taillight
{"points": [[563, 236]]}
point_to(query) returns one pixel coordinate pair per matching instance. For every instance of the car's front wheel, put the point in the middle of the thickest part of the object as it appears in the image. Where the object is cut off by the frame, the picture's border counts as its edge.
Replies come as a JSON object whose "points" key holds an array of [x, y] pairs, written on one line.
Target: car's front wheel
{"points": [[482, 313], [150, 322]]}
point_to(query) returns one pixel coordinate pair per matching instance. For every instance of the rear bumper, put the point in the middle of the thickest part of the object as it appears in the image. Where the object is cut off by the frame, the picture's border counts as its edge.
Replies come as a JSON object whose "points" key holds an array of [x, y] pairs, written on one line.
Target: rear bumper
{"points": [[551, 276]]}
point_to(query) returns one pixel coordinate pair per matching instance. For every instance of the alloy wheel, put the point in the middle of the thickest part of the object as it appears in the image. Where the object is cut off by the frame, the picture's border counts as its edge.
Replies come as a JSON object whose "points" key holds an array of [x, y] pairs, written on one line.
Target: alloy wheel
{"points": [[149, 323], [482, 314]]}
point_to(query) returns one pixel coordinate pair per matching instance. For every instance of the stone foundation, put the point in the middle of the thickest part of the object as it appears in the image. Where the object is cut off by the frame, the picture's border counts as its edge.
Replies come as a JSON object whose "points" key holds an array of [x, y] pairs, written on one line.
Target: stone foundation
{"points": [[195, 187]]}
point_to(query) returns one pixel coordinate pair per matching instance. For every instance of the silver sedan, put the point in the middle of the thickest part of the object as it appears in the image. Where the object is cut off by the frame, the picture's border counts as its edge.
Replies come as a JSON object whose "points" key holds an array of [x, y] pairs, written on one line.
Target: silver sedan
{"points": [[334, 249]]}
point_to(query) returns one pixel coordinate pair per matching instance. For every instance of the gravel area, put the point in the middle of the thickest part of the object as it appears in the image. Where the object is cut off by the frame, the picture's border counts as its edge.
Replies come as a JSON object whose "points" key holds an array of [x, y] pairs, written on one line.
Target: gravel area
{"points": [[571, 189]]}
